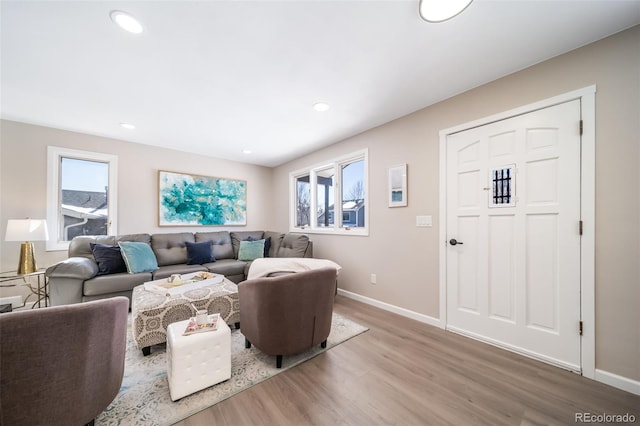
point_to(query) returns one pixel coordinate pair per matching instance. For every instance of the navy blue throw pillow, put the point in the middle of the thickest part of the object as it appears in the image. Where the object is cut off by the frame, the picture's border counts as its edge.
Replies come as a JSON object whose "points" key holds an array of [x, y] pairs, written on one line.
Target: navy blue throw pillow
{"points": [[199, 253], [109, 259], [267, 244]]}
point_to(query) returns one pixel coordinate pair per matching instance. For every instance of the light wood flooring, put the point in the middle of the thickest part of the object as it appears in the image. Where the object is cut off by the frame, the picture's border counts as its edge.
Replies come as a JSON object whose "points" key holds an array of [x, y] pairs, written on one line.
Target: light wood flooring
{"points": [[403, 372]]}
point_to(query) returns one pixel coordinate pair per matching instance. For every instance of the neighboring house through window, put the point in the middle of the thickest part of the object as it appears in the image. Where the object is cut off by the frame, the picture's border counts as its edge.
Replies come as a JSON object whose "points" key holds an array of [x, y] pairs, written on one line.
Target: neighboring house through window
{"points": [[81, 195], [331, 197]]}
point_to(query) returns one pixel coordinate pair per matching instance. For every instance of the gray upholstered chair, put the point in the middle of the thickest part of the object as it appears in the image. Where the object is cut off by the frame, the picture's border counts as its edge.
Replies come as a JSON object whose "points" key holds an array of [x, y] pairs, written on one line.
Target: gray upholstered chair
{"points": [[61, 365], [287, 314]]}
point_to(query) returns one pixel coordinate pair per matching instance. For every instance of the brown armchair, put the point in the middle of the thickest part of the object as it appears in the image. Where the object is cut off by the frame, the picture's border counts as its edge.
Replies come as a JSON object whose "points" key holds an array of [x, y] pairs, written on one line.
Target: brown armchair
{"points": [[61, 365], [287, 314]]}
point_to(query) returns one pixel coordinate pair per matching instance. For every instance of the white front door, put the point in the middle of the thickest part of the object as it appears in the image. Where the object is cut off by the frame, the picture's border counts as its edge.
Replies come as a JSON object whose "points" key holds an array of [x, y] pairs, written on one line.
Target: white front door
{"points": [[513, 236]]}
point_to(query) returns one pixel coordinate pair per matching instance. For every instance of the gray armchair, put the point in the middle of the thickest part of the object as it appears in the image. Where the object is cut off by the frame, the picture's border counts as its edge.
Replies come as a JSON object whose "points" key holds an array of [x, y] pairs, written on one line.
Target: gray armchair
{"points": [[287, 314], [61, 365]]}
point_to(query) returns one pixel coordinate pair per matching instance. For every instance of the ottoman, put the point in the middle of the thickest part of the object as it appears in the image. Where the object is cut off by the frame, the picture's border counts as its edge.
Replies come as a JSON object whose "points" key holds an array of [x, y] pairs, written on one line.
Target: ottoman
{"points": [[197, 361]]}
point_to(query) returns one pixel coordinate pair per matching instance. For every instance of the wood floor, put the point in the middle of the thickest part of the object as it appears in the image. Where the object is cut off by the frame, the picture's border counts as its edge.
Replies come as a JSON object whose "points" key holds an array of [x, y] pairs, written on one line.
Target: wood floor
{"points": [[404, 372]]}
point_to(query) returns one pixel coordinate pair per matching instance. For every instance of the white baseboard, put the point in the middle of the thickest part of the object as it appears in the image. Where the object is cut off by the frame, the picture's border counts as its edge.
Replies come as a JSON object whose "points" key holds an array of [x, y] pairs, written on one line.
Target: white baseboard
{"points": [[620, 382], [392, 308]]}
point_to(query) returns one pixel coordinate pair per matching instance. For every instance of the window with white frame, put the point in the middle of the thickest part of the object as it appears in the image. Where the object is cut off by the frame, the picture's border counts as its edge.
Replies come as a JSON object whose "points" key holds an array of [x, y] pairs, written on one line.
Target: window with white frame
{"points": [[81, 195], [331, 197]]}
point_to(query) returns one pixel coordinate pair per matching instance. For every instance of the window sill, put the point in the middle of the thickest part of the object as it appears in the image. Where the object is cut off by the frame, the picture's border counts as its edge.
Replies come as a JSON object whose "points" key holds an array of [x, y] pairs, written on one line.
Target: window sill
{"points": [[359, 232]]}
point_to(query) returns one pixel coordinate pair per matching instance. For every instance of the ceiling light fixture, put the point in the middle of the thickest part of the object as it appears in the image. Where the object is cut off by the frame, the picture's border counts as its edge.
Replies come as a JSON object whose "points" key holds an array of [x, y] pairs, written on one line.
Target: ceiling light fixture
{"points": [[441, 10], [247, 151], [321, 106], [127, 126], [126, 21]]}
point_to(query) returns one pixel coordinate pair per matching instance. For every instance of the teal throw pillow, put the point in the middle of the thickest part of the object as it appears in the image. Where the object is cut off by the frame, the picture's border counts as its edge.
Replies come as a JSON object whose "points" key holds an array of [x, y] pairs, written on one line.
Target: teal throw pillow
{"points": [[138, 257], [251, 250]]}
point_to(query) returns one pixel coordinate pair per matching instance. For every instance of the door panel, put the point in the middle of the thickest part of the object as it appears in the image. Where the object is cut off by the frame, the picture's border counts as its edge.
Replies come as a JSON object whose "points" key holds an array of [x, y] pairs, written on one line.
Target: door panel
{"points": [[502, 267], [515, 280], [542, 271]]}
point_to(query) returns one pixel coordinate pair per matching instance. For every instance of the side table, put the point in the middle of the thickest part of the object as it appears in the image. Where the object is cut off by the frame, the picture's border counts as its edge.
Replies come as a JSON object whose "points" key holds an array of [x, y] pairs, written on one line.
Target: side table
{"points": [[38, 289]]}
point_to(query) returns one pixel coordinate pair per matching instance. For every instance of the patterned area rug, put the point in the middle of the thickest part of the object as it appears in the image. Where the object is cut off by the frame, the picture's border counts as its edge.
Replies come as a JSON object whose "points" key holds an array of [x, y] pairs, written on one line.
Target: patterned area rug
{"points": [[144, 395]]}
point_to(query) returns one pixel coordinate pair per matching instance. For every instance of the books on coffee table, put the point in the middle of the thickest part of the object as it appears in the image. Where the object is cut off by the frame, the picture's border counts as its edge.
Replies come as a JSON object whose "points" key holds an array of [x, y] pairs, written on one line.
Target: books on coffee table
{"points": [[193, 327]]}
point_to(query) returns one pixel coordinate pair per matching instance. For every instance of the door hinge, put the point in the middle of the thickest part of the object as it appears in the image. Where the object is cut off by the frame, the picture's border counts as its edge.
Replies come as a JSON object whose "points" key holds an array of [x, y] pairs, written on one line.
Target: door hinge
{"points": [[580, 227], [581, 127], [580, 328]]}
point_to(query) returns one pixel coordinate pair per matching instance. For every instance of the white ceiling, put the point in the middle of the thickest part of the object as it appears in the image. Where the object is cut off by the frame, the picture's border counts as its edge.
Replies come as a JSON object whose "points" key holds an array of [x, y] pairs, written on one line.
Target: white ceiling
{"points": [[216, 77]]}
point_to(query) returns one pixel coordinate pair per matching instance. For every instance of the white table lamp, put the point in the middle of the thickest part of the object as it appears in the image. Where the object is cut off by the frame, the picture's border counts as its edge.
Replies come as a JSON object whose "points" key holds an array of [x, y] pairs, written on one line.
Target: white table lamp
{"points": [[27, 230]]}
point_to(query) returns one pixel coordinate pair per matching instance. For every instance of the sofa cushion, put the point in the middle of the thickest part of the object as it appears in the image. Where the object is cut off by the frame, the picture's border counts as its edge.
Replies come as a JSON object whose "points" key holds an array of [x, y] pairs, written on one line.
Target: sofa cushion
{"points": [[80, 246], [199, 253], [238, 236], [109, 258], [138, 257], [222, 247], [113, 283], [227, 267], [293, 245], [251, 250], [167, 271], [170, 249]]}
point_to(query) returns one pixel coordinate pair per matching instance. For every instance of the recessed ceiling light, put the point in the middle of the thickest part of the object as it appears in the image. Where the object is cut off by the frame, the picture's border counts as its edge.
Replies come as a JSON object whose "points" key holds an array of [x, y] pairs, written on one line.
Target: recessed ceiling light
{"points": [[127, 126], [126, 21], [246, 151], [321, 106], [441, 10]]}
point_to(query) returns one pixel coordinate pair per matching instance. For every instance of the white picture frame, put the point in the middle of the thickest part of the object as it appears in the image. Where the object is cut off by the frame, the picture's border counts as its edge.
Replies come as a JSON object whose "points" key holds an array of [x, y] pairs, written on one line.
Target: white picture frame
{"points": [[398, 186]]}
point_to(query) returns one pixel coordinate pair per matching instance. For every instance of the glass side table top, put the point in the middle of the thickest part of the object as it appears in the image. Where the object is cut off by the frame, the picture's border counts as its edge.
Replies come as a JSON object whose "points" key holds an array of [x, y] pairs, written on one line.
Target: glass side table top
{"points": [[37, 289]]}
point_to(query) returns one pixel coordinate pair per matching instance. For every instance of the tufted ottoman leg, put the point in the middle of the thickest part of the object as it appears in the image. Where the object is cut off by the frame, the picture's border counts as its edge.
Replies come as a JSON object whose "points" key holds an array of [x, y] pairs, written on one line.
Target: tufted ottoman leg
{"points": [[197, 361]]}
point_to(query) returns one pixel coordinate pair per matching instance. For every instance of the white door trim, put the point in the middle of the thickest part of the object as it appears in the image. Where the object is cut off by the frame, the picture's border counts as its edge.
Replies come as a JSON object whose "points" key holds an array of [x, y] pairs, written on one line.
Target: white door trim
{"points": [[587, 211]]}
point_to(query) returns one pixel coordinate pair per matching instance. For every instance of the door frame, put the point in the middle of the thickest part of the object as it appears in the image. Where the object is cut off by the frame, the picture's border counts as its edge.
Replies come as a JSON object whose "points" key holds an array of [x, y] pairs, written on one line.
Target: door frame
{"points": [[587, 211]]}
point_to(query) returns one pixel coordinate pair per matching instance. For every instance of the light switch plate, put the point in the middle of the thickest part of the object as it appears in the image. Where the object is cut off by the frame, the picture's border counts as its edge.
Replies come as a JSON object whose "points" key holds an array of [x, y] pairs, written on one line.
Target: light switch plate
{"points": [[424, 221]]}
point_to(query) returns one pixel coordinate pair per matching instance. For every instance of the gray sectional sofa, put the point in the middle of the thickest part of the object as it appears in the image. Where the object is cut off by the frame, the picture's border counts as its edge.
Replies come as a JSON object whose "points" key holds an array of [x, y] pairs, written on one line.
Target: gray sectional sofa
{"points": [[77, 278]]}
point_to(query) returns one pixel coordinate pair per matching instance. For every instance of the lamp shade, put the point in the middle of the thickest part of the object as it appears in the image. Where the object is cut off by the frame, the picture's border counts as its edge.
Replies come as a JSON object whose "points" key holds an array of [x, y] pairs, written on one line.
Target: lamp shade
{"points": [[26, 230]]}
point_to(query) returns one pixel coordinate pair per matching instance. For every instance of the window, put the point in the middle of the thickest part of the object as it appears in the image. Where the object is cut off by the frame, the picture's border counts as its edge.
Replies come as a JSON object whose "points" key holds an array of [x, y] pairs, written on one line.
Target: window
{"points": [[325, 196], [303, 201], [503, 187], [81, 195], [332, 197]]}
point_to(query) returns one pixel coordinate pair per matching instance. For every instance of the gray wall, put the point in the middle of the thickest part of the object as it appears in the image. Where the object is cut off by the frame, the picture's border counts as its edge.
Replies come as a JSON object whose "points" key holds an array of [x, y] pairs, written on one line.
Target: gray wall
{"points": [[406, 258]]}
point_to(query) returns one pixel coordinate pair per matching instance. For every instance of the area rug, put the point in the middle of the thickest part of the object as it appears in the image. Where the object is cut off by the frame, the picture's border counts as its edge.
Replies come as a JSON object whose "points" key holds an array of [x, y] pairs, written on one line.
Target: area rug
{"points": [[144, 395]]}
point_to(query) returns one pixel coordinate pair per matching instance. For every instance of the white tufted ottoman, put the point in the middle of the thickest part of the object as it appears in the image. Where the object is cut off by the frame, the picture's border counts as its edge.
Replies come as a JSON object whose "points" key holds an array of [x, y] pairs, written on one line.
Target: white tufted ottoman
{"points": [[197, 361]]}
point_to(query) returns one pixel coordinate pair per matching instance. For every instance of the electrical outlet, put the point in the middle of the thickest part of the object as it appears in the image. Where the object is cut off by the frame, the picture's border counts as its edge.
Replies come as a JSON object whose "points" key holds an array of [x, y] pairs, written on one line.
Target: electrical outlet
{"points": [[373, 278], [15, 301]]}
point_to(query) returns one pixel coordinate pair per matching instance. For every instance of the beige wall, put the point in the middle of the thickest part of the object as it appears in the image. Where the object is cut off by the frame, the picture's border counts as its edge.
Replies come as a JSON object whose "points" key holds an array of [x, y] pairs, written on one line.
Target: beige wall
{"points": [[23, 182], [405, 258]]}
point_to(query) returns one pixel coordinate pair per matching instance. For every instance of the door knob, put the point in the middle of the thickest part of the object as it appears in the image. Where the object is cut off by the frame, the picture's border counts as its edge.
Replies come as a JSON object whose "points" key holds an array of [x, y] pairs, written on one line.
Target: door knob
{"points": [[454, 242]]}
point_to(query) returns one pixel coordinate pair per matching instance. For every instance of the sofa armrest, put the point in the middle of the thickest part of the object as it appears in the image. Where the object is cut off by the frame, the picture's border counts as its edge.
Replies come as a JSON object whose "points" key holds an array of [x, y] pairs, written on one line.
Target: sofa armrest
{"points": [[74, 267], [66, 279]]}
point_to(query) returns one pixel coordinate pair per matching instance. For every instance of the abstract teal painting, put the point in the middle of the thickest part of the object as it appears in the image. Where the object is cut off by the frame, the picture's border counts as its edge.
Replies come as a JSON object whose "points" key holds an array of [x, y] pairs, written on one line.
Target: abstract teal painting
{"points": [[188, 200]]}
